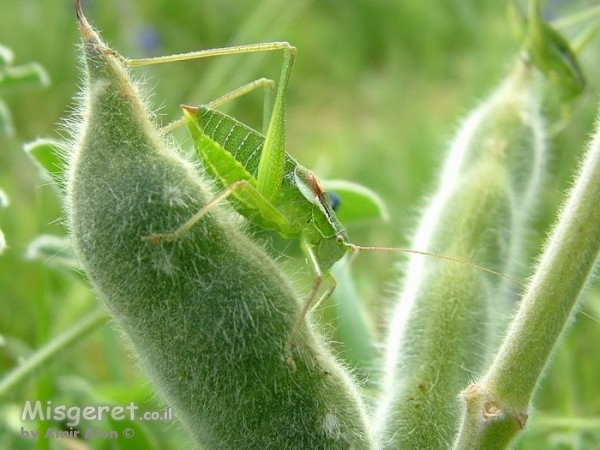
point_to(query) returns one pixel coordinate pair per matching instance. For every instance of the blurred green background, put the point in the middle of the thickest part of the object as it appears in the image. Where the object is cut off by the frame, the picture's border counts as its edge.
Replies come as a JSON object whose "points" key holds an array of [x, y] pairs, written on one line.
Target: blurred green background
{"points": [[377, 92]]}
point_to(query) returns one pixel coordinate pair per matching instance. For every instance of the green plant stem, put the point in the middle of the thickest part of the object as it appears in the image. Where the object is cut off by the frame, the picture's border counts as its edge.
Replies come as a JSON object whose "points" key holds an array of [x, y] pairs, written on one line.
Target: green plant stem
{"points": [[535, 9], [573, 423], [52, 348], [497, 406]]}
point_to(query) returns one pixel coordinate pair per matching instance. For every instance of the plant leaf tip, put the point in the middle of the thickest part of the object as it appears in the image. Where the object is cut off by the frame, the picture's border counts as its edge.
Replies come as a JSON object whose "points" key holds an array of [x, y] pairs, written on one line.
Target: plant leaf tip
{"points": [[85, 29]]}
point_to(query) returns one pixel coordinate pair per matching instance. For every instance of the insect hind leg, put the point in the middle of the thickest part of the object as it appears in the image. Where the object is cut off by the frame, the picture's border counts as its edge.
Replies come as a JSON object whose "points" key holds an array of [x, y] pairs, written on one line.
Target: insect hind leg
{"points": [[288, 50], [266, 83]]}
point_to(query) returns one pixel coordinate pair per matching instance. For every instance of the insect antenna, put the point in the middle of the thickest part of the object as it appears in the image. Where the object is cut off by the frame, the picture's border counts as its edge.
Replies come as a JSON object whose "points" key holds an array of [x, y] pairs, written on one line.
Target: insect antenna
{"points": [[359, 248]]}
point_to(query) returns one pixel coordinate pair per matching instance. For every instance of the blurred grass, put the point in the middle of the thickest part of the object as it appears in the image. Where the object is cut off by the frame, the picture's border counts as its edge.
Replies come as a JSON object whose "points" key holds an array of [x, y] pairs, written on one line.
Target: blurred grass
{"points": [[377, 91]]}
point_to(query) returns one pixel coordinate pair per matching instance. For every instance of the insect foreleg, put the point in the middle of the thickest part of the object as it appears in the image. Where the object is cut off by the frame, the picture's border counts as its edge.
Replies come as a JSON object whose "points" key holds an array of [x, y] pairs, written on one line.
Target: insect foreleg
{"points": [[309, 305], [332, 284]]}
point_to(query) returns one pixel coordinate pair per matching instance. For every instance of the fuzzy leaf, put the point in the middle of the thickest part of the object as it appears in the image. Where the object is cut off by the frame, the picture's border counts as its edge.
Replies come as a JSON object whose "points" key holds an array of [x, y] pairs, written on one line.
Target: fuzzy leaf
{"points": [[56, 251]]}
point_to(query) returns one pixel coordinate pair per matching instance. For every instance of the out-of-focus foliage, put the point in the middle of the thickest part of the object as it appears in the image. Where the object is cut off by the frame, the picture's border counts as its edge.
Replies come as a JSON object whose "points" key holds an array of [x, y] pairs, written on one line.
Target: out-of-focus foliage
{"points": [[376, 93]]}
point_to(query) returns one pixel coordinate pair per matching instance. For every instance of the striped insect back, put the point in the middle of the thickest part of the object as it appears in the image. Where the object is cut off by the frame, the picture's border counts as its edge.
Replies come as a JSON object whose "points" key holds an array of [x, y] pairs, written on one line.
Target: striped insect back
{"points": [[244, 143], [230, 151]]}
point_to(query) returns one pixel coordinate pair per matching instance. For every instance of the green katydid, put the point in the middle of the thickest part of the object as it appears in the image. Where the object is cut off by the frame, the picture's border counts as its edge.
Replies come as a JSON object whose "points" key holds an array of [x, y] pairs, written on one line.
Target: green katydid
{"points": [[263, 182]]}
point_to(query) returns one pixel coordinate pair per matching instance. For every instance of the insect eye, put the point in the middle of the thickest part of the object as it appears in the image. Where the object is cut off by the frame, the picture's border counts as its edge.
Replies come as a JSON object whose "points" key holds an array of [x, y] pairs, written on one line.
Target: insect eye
{"points": [[339, 238], [335, 200]]}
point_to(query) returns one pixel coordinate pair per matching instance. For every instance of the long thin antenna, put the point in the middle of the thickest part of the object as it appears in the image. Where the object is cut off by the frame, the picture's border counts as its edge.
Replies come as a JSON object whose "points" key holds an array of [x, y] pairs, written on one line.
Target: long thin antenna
{"points": [[357, 248]]}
